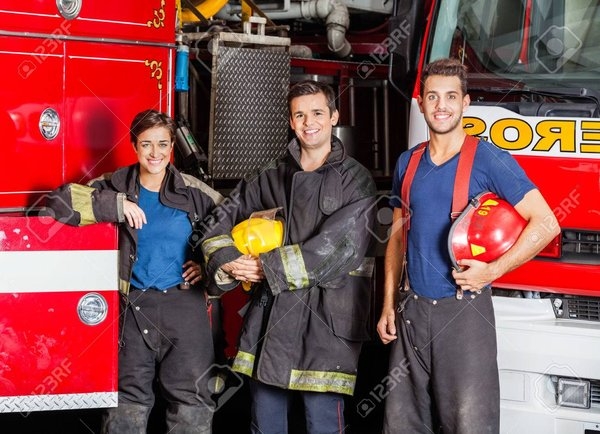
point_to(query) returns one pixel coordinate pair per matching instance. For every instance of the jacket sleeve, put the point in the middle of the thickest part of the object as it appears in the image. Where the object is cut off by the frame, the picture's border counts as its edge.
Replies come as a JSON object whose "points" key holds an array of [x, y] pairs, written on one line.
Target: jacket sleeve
{"points": [[205, 200], [338, 248], [217, 245], [80, 205]]}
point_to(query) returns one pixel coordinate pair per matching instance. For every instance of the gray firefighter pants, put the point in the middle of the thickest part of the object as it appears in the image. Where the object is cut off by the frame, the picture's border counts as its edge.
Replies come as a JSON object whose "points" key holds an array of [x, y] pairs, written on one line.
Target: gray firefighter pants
{"points": [[165, 338], [445, 370]]}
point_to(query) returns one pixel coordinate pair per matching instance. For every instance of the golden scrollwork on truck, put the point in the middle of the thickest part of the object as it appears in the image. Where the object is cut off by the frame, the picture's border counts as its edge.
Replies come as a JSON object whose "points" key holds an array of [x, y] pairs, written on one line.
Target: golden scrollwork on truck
{"points": [[156, 71], [159, 17]]}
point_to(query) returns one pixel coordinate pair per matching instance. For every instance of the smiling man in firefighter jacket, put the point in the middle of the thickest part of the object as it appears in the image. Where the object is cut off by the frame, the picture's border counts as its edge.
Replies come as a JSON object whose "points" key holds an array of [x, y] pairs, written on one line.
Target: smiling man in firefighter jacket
{"points": [[307, 316]]}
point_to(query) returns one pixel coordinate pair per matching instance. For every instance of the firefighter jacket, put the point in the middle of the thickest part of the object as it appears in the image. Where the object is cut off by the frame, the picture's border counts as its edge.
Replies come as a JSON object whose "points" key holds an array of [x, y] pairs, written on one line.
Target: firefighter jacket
{"points": [[102, 201], [305, 323]]}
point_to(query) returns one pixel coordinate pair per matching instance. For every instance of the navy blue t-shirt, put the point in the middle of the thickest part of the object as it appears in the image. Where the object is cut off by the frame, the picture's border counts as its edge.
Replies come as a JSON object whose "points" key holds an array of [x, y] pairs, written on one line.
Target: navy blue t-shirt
{"points": [[429, 264], [162, 246]]}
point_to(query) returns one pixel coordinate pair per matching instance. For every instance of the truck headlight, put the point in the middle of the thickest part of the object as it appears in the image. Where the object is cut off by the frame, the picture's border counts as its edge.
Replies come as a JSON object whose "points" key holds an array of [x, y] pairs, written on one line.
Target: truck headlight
{"points": [[92, 308], [573, 393]]}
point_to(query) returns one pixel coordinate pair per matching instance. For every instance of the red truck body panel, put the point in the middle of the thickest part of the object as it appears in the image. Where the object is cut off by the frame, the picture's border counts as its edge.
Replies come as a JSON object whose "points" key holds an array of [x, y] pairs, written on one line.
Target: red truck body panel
{"points": [[71, 87], [45, 346]]}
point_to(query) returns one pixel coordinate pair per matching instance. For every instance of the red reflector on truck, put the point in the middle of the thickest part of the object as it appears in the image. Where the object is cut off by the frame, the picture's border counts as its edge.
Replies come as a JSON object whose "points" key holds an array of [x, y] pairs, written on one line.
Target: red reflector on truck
{"points": [[552, 250]]}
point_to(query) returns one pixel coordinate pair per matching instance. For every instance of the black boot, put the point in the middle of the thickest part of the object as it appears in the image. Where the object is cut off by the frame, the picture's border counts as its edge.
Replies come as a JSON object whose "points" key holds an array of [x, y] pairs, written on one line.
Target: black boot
{"points": [[125, 419], [188, 419]]}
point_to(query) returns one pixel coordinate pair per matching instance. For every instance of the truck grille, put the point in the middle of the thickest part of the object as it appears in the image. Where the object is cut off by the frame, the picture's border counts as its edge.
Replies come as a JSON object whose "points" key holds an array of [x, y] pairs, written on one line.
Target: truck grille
{"points": [[582, 308], [595, 393], [581, 243]]}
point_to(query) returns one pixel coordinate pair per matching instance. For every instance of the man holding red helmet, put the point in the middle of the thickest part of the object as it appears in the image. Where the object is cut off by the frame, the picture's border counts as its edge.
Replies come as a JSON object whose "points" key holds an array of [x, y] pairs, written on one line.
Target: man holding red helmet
{"points": [[443, 326]]}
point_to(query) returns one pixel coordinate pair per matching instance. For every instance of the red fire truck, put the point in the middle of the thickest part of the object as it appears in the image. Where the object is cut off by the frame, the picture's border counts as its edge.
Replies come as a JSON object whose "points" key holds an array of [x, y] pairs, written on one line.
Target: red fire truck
{"points": [[74, 73], [533, 81]]}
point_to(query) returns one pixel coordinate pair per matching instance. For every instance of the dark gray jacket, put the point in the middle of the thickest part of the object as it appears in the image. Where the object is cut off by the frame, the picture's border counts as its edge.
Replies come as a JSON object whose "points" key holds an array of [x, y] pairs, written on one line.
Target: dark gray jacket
{"points": [[102, 201], [306, 322]]}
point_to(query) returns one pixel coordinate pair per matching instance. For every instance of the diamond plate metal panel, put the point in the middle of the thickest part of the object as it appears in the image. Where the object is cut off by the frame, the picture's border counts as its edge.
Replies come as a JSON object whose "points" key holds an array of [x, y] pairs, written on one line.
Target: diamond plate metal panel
{"points": [[249, 114], [27, 404]]}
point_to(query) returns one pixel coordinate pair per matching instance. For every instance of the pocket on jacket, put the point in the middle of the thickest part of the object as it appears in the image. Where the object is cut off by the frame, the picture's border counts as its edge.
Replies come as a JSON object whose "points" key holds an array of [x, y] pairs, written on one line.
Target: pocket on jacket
{"points": [[351, 329]]}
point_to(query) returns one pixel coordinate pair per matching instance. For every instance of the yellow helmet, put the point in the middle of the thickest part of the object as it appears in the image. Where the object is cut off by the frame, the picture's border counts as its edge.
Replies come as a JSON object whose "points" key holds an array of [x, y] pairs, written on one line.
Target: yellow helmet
{"points": [[257, 235]]}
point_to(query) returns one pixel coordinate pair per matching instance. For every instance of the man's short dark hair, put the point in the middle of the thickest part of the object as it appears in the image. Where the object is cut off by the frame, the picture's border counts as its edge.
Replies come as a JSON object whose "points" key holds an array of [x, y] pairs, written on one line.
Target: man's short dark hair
{"points": [[448, 68], [311, 87], [150, 119]]}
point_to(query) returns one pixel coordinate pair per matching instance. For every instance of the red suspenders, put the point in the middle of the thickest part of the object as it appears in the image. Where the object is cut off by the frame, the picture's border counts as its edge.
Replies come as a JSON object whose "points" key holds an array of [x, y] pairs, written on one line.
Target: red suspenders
{"points": [[460, 196]]}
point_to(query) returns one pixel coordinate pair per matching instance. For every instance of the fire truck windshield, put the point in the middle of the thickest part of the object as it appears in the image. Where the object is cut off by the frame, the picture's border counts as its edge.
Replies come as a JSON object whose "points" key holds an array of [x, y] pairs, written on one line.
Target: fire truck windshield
{"points": [[531, 43]]}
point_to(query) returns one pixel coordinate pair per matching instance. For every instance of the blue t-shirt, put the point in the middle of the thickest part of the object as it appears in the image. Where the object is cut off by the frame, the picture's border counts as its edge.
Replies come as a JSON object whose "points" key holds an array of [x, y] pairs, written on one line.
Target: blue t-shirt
{"points": [[162, 246], [429, 265]]}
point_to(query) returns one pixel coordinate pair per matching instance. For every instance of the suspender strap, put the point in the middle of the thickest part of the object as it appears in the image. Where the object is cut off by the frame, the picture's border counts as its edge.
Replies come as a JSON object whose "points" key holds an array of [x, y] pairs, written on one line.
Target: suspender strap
{"points": [[411, 169], [460, 197]]}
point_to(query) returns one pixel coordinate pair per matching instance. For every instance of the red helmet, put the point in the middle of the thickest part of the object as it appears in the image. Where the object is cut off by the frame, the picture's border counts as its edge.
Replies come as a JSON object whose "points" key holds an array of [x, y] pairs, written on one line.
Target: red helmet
{"points": [[485, 230]]}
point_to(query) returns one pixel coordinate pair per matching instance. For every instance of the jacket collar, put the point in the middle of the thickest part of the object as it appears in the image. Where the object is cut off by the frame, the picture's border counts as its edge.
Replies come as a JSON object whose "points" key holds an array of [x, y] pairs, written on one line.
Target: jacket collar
{"points": [[337, 154], [173, 189], [125, 179]]}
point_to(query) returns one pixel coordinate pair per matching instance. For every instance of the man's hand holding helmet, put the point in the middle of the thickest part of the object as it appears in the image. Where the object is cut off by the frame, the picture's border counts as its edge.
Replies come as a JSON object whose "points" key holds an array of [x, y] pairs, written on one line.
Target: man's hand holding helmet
{"points": [[260, 233], [487, 228]]}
